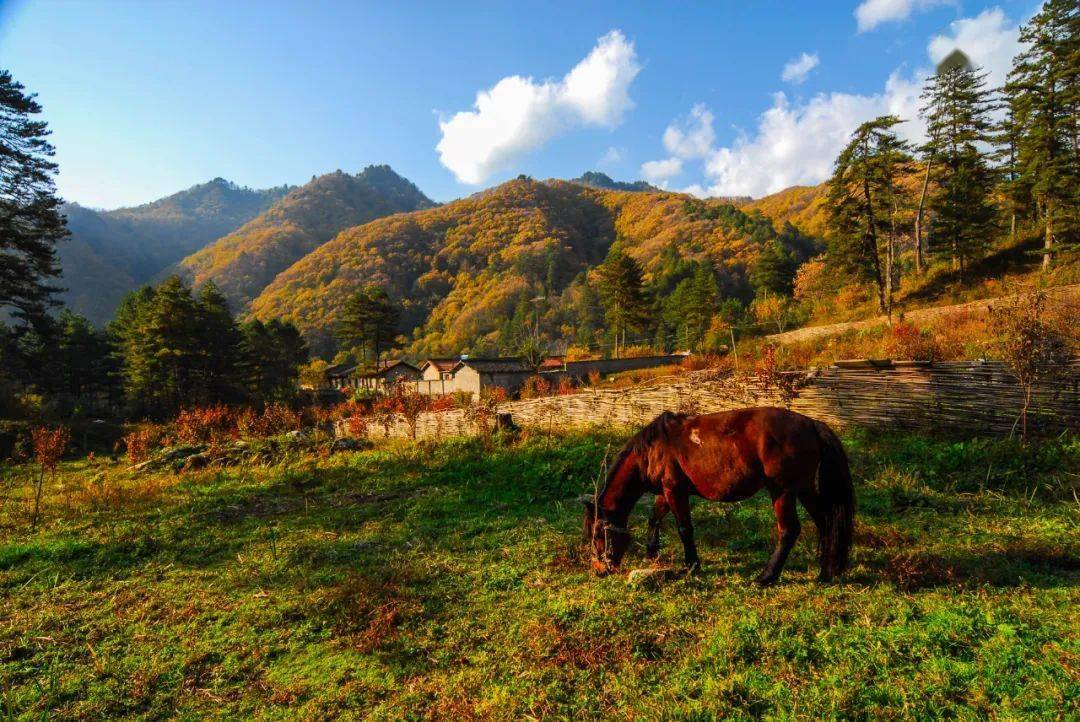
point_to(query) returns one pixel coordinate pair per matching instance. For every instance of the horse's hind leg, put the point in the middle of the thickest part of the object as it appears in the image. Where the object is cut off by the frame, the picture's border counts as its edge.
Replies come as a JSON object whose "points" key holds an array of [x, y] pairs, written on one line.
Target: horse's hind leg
{"points": [[659, 511], [787, 532], [810, 502]]}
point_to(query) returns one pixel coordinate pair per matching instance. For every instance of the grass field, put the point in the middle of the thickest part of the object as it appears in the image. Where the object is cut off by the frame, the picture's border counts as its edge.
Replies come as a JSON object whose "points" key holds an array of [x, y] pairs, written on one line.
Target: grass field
{"points": [[444, 581]]}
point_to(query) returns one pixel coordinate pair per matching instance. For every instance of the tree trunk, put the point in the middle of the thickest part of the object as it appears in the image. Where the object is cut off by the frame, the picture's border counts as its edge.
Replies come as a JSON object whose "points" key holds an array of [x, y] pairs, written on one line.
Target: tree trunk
{"points": [[919, 218], [889, 276], [870, 243], [37, 498], [1048, 244]]}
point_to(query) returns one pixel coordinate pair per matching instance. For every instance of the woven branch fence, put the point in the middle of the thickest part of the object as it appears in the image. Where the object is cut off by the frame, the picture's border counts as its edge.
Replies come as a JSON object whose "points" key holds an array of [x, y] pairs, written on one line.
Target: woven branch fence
{"points": [[970, 397]]}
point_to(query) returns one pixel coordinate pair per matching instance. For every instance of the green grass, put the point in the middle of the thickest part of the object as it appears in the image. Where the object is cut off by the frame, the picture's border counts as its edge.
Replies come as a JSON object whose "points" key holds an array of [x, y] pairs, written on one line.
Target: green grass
{"points": [[444, 581]]}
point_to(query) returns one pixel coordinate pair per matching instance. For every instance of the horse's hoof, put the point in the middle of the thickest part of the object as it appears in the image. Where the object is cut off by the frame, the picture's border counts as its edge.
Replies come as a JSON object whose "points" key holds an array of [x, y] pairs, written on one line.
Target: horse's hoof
{"points": [[692, 568], [763, 581]]}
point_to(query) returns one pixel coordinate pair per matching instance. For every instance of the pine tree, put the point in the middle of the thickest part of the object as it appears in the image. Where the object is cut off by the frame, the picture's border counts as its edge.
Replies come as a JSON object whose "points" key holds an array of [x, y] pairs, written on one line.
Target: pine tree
{"points": [[864, 198], [956, 106], [588, 312], [161, 350], [271, 355], [1043, 92], [620, 279], [369, 322], [774, 269], [691, 306], [30, 219], [220, 345], [83, 355]]}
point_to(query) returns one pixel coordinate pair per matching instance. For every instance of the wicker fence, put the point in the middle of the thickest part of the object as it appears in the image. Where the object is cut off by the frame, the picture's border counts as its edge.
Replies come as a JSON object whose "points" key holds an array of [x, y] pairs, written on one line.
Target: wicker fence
{"points": [[969, 397]]}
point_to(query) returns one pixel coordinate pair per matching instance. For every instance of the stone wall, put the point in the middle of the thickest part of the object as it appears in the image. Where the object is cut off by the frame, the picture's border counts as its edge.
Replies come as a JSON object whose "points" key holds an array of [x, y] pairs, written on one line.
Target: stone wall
{"points": [[978, 398]]}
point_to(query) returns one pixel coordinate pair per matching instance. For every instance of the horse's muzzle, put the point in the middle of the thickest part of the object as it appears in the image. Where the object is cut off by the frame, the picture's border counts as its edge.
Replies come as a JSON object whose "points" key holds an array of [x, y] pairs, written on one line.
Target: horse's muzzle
{"points": [[601, 569]]}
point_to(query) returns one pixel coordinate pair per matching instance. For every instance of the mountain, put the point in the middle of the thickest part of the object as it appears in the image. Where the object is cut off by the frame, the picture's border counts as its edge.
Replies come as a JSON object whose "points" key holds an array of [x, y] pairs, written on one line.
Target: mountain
{"points": [[459, 269], [802, 206], [111, 252], [243, 262], [596, 179]]}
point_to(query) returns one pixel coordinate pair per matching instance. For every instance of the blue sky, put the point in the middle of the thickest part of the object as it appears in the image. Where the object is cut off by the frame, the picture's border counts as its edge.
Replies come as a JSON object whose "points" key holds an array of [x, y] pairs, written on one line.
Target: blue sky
{"points": [[146, 98]]}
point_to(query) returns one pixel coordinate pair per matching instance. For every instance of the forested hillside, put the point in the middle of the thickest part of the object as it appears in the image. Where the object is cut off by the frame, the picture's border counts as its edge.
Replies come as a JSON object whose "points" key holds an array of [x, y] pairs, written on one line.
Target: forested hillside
{"points": [[111, 252], [245, 261], [472, 274], [802, 206]]}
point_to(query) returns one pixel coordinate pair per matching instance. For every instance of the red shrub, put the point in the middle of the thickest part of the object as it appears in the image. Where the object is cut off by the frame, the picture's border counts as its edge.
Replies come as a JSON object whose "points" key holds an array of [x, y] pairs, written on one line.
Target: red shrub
{"points": [[275, 419], [535, 387], [356, 425], [205, 425], [444, 403], [904, 340], [138, 443], [49, 446]]}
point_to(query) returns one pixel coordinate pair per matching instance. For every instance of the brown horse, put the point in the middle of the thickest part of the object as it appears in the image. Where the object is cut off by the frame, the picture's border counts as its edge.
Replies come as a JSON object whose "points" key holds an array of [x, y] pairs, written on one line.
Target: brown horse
{"points": [[728, 457]]}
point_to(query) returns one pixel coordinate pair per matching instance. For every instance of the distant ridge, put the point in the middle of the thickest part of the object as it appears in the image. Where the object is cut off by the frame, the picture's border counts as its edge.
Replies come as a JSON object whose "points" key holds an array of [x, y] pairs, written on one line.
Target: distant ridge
{"points": [[461, 269], [111, 252], [596, 179], [245, 261]]}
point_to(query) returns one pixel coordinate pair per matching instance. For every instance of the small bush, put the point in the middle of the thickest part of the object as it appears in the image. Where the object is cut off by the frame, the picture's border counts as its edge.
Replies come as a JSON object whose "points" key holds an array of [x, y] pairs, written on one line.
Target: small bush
{"points": [[140, 442], [904, 340], [535, 387], [205, 425], [49, 446]]}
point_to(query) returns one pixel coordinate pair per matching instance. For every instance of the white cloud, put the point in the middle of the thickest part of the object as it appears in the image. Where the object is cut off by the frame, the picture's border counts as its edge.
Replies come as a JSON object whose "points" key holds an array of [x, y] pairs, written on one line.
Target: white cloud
{"points": [[695, 139], [796, 142], [518, 115], [989, 39], [796, 70], [611, 156], [871, 13], [659, 171], [695, 189]]}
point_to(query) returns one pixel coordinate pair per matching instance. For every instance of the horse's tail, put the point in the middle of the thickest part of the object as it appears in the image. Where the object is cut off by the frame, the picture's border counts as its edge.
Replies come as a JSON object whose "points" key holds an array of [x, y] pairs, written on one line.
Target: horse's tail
{"points": [[836, 497]]}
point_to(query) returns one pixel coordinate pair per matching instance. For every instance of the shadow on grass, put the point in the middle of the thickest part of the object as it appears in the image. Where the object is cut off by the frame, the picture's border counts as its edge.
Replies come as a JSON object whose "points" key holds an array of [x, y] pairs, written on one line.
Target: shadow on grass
{"points": [[465, 498], [1020, 258], [740, 544]]}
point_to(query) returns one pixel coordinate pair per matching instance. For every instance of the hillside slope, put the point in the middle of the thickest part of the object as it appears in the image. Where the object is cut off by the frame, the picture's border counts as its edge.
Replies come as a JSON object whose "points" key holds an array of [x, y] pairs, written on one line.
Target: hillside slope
{"points": [[245, 261], [111, 252], [802, 206], [459, 269]]}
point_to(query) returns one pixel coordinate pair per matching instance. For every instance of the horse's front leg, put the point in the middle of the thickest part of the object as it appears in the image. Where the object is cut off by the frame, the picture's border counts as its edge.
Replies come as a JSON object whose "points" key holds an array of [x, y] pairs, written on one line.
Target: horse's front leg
{"points": [[679, 502], [659, 511], [787, 533]]}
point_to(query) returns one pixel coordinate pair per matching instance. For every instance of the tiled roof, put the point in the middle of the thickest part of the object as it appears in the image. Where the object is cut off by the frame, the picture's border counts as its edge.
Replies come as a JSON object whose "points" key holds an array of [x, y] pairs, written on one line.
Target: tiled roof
{"points": [[495, 365], [338, 370], [442, 364], [384, 366]]}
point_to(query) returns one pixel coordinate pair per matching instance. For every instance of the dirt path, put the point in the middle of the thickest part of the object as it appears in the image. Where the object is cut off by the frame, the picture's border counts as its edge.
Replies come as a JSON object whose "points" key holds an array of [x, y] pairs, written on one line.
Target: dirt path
{"points": [[1065, 294]]}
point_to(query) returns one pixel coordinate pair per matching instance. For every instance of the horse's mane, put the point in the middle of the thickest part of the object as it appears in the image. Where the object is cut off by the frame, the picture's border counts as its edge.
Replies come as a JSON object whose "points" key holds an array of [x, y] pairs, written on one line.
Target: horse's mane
{"points": [[653, 437]]}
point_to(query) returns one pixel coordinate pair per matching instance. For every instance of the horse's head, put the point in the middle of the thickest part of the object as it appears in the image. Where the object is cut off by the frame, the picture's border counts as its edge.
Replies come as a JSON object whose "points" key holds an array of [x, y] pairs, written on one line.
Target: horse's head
{"points": [[609, 540]]}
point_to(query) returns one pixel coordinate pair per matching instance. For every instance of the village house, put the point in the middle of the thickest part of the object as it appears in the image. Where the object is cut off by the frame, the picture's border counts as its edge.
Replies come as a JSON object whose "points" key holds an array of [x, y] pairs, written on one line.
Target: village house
{"points": [[474, 375], [384, 375], [437, 375]]}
